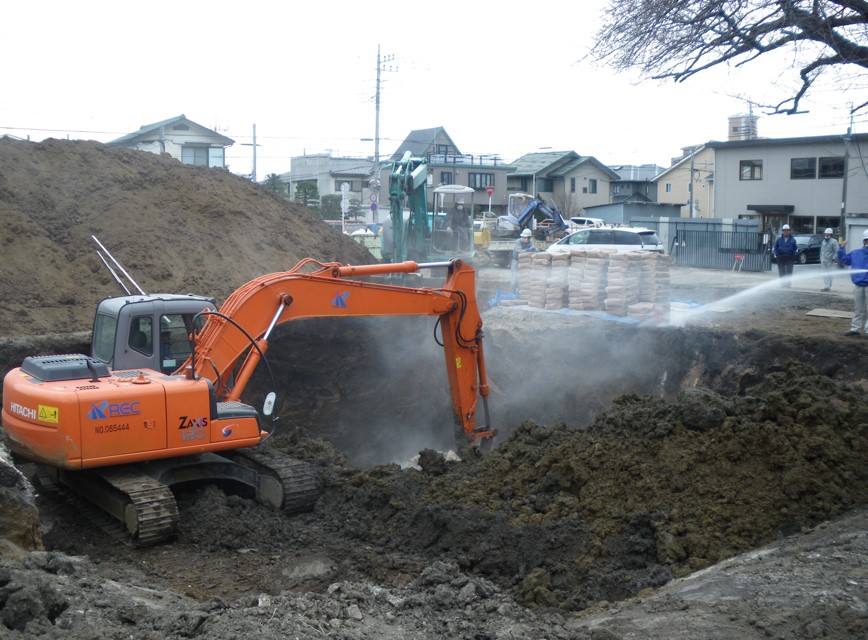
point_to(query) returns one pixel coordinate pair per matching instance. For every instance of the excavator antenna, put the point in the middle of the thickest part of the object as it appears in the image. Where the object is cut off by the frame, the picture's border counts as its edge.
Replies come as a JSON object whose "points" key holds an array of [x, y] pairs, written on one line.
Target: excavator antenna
{"points": [[120, 268]]}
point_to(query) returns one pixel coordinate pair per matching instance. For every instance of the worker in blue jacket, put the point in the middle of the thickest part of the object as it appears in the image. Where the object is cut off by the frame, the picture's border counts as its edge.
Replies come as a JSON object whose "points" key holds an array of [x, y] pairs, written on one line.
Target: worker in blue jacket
{"points": [[857, 260], [785, 254]]}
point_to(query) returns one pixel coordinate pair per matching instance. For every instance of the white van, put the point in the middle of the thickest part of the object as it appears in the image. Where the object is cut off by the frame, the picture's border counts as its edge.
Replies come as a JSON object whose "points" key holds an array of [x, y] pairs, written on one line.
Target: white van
{"points": [[581, 223], [621, 239]]}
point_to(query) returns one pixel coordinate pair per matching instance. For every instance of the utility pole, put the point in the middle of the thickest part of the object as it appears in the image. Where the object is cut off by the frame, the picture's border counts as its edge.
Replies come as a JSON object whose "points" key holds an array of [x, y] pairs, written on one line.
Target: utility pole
{"points": [[842, 230], [254, 145], [692, 205], [375, 180]]}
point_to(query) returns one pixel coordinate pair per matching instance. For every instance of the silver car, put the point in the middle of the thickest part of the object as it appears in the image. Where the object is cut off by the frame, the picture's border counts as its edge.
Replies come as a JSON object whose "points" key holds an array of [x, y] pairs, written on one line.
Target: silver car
{"points": [[621, 239]]}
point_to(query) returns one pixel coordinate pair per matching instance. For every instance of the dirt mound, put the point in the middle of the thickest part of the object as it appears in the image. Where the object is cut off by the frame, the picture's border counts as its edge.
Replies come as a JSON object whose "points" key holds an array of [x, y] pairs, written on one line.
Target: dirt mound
{"points": [[651, 490], [175, 228]]}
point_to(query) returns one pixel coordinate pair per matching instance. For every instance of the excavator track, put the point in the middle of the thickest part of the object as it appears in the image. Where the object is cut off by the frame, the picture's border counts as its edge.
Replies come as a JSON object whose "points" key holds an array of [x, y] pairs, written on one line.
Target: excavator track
{"points": [[295, 486], [135, 502], [125, 505], [151, 516]]}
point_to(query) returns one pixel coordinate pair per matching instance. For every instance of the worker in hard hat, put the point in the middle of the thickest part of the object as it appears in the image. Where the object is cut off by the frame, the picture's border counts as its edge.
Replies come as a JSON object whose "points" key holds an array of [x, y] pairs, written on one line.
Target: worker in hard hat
{"points": [[524, 244], [857, 260], [828, 258], [458, 227], [785, 253]]}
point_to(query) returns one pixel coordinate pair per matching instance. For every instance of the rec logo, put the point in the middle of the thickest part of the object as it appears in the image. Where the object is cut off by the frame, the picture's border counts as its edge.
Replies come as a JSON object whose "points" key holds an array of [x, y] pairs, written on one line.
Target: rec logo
{"points": [[105, 409]]}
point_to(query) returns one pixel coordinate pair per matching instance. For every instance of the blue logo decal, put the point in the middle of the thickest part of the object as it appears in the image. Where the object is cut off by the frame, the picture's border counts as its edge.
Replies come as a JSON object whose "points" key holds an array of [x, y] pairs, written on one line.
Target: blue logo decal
{"points": [[226, 431], [341, 299], [104, 409], [97, 412]]}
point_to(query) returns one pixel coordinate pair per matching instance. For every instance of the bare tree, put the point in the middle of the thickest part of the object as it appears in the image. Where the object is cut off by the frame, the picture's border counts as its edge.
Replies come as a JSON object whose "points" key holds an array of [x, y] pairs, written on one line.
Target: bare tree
{"points": [[678, 39]]}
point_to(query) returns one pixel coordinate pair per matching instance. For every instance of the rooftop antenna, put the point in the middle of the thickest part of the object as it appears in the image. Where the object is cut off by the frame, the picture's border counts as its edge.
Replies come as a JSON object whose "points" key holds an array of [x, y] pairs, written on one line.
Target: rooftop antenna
{"points": [[119, 266]]}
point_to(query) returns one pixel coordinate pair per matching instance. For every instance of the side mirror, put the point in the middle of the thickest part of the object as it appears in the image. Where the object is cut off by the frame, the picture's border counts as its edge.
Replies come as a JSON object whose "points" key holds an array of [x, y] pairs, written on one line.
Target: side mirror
{"points": [[268, 405]]}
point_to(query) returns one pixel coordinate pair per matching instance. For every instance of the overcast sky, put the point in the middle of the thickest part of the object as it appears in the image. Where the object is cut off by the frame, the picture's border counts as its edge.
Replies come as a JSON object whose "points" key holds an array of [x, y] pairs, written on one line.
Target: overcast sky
{"points": [[500, 80]]}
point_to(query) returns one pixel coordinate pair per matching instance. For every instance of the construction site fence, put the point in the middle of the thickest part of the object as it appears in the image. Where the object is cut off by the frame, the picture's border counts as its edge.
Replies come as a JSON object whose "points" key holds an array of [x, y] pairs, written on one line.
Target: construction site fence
{"points": [[737, 250]]}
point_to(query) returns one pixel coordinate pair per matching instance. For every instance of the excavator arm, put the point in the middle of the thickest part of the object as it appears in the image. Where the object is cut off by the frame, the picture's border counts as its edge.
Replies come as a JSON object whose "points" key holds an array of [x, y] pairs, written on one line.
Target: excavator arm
{"points": [[223, 348], [408, 182], [550, 212]]}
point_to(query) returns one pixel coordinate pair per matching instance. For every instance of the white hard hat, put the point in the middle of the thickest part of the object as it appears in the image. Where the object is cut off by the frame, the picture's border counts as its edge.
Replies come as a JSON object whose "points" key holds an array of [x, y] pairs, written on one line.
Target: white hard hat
{"points": [[786, 227], [829, 231], [865, 234], [527, 233]]}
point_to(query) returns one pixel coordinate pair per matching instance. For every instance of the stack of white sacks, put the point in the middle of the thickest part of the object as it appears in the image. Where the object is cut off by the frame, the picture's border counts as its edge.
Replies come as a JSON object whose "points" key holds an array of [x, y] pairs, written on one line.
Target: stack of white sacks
{"points": [[557, 284], [622, 287], [587, 279], [635, 284], [539, 273], [655, 288], [525, 278]]}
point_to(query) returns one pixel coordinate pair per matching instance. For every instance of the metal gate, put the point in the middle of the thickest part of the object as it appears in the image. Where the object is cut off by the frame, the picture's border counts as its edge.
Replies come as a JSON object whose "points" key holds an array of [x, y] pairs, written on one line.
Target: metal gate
{"points": [[739, 250]]}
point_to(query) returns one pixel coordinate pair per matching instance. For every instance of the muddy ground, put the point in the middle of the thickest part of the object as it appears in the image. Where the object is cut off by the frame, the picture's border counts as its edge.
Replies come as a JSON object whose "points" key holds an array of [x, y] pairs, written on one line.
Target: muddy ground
{"points": [[703, 481]]}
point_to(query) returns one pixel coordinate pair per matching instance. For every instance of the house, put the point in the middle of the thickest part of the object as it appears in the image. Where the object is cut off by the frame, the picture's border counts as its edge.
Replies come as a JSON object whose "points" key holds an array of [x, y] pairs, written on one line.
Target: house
{"points": [[809, 183], [632, 212], [333, 176], [690, 173], [182, 139], [572, 181], [447, 165], [635, 183]]}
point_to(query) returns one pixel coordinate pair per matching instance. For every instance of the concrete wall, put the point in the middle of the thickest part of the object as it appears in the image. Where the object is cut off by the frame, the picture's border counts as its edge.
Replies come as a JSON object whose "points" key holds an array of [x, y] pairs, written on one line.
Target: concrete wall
{"points": [[809, 197]]}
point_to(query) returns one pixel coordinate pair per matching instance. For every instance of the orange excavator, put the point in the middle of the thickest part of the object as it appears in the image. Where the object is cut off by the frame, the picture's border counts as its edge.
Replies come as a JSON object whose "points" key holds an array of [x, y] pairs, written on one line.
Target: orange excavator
{"points": [[158, 401]]}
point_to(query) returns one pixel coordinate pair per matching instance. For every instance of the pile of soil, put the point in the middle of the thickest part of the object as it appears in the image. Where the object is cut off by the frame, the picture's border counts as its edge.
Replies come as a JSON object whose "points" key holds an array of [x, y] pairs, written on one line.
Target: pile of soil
{"points": [[700, 482], [174, 228]]}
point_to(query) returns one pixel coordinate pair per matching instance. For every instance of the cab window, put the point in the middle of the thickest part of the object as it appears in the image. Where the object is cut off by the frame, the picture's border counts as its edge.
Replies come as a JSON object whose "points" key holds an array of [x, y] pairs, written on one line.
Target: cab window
{"points": [[105, 329], [141, 333], [175, 343]]}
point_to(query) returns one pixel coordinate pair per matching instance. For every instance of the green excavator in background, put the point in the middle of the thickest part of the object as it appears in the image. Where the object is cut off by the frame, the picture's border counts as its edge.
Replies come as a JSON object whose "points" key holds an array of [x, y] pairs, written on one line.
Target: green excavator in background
{"points": [[412, 231]]}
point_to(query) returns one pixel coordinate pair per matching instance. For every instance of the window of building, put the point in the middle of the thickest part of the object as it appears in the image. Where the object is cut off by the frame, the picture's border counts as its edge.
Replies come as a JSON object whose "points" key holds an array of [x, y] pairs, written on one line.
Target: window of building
{"points": [[668, 187], [441, 149], [616, 188], [803, 168], [750, 170], [592, 186], [831, 168], [446, 177], [480, 180], [572, 185], [194, 155], [353, 185]]}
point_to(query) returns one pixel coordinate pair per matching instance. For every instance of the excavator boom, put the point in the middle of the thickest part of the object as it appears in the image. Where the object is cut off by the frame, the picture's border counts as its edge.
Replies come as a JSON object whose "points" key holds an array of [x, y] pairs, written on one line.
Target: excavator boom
{"points": [[256, 308]]}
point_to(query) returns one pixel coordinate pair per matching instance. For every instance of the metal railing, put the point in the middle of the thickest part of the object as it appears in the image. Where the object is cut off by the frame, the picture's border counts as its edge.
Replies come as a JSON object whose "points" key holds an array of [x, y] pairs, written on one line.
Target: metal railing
{"points": [[739, 250]]}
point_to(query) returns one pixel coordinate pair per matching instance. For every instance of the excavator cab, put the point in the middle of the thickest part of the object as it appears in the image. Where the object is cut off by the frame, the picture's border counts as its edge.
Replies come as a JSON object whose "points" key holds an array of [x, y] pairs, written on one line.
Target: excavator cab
{"points": [[452, 222], [147, 331]]}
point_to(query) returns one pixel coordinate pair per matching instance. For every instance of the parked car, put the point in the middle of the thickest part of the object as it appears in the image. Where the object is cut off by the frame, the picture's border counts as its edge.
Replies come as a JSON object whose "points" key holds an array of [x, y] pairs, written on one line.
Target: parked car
{"points": [[620, 239], [579, 222], [807, 248]]}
